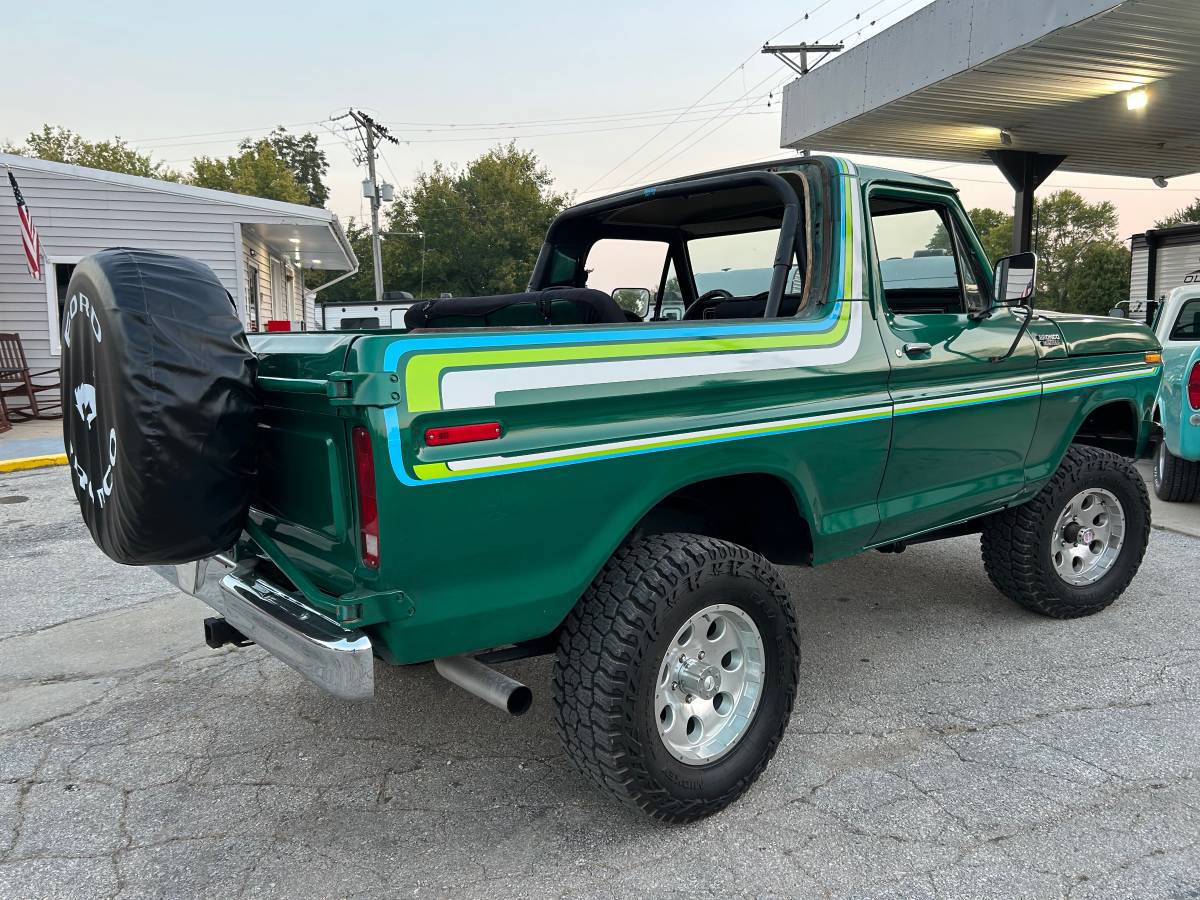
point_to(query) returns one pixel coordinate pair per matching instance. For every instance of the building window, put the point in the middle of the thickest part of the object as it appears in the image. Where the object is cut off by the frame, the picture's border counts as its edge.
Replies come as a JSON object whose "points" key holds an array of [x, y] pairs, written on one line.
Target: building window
{"points": [[58, 279]]}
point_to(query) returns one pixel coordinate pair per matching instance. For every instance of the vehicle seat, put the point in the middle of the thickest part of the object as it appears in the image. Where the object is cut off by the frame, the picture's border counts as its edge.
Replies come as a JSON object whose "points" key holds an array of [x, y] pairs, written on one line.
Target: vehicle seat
{"points": [[553, 306], [743, 307]]}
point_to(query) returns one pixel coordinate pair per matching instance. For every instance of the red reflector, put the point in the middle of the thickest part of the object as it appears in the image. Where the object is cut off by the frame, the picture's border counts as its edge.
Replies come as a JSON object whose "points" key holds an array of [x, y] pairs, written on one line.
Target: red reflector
{"points": [[1194, 386], [462, 434], [368, 509]]}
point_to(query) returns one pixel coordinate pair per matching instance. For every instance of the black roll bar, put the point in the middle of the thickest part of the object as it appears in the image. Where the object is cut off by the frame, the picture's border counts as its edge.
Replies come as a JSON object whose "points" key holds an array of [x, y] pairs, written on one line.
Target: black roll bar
{"points": [[784, 249]]}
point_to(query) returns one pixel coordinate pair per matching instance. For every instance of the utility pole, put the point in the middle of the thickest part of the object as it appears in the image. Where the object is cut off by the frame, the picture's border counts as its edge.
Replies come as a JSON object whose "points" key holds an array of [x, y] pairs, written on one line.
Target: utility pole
{"points": [[782, 51], [371, 132]]}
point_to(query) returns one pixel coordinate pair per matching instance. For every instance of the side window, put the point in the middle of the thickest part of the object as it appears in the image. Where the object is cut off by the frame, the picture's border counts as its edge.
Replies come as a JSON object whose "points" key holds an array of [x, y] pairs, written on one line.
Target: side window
{"points": [[739, 263], [917, 247], [671, 306], [1187, 326], [974, 277], [617, 263]]}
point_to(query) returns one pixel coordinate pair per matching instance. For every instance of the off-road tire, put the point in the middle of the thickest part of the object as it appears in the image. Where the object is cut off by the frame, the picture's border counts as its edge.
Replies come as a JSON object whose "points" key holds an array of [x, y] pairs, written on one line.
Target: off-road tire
{"points": [[1175, 480], [608, 658], [1016, 541]]}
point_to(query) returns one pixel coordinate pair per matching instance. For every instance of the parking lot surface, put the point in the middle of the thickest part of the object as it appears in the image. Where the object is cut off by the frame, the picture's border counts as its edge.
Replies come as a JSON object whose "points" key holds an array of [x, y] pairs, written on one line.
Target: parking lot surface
{"points": [[945, 744]]}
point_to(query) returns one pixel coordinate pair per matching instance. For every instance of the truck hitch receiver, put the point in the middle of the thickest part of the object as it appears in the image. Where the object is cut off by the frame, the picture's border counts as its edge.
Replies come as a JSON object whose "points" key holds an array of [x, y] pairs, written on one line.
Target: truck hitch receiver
{"points": [[218, 632]]}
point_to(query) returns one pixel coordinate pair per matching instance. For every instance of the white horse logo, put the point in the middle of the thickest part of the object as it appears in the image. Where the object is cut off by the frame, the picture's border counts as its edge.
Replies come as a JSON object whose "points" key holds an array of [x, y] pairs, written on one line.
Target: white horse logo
{"points": [[85, 403]]}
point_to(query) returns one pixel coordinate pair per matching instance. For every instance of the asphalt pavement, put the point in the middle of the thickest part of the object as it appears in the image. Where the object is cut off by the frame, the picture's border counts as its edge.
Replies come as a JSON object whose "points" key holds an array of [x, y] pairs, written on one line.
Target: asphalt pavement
{"points": [[945, 744]]}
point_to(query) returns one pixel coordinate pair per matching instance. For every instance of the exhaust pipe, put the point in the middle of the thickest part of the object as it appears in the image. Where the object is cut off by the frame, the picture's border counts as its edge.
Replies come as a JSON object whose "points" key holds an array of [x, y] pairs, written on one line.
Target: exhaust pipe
{"points": [[486, 683]]}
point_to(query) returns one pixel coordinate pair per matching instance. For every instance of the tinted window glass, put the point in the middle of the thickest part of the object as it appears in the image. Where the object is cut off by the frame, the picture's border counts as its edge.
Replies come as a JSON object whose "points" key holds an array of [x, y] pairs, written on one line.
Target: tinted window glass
{"points": [[616, 263], [359, 324], [916, 252], [739, 263], [1187, 326]]}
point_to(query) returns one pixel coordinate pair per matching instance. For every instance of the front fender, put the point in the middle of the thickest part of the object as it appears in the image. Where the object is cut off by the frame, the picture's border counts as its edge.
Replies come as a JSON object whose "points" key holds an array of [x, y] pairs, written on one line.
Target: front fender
{"points": [[1180, 423], [1063, 412]]}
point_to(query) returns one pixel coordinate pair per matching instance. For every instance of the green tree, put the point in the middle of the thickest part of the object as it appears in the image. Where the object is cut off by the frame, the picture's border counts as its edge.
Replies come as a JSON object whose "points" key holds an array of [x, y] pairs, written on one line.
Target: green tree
{"points": [[993, 227], [306, 160], [257, 171], [1066, 226], [1189, 213], [1080, 260], [483, 225], [995, 231], [58, 144], [1100, 280]]}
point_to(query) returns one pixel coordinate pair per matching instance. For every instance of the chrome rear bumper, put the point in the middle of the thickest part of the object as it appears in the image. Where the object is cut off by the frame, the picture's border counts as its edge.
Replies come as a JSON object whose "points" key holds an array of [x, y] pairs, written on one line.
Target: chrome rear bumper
{"points": [[336, 659]]}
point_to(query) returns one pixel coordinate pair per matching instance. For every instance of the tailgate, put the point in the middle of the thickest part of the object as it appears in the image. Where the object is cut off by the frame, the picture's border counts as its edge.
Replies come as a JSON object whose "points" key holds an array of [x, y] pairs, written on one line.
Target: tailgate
{"points": [[305, 497]]}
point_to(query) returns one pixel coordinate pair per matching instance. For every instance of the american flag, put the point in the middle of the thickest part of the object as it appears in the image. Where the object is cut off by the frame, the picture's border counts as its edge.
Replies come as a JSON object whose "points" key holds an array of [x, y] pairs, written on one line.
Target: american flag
{"points": [[29, 235]]}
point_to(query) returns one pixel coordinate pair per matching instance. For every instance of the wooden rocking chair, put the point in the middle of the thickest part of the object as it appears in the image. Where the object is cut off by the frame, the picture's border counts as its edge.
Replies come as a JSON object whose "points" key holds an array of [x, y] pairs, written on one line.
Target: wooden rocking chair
{"points": [[17, 381]]}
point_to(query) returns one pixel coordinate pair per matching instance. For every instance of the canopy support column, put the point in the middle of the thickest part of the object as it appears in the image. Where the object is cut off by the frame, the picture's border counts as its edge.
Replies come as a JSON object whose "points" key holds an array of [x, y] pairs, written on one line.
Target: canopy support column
{"points": [[1025, 171]]}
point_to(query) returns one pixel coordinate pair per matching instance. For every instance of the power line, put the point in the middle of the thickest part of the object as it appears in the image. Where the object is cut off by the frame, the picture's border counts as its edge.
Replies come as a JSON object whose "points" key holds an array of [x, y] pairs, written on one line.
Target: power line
{"points": [[519, 123], [643, 173], [213, 133], [696, 103]]}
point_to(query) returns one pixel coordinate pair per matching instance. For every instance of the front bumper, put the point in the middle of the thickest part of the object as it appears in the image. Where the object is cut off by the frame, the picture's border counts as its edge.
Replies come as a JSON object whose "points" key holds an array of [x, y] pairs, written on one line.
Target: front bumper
{"points": [[336, 659]]}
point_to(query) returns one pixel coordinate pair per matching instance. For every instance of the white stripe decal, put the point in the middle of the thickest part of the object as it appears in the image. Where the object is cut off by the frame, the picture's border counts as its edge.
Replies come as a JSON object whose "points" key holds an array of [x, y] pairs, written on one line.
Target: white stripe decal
{"points": [[1014, 392], [766, 429], [471, 388], [848, 417], [1051, 386]]}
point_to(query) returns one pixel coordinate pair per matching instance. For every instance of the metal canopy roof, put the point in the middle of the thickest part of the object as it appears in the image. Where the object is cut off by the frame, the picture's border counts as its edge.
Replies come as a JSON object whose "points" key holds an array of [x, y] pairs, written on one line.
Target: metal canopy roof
{"points": [[1053, 74]]}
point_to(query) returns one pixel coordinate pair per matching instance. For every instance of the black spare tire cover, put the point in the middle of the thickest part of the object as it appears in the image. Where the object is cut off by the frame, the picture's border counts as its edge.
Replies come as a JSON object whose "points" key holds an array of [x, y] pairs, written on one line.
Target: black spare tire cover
{"points": [[159, 409]]}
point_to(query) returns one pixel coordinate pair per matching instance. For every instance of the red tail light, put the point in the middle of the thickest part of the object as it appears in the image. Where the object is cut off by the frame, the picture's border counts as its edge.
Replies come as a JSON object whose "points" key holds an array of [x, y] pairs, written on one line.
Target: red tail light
{"points": [[462, 434], [368, 509], [1194, 386]]}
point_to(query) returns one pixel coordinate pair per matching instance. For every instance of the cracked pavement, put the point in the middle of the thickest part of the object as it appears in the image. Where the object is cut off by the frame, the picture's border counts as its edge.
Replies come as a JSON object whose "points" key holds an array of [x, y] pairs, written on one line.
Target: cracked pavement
{"points": [[945, 744]]}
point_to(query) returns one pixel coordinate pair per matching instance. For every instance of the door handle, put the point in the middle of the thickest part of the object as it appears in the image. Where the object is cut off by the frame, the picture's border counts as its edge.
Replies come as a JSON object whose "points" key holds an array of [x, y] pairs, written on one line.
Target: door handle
{"points": [[916, 348]]}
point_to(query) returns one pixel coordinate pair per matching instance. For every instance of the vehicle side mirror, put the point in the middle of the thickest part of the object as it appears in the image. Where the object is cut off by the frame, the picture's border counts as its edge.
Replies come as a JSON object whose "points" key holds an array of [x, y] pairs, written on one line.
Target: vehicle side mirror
{"points": [[1117, 313], [634, 300], [1015, 279]]}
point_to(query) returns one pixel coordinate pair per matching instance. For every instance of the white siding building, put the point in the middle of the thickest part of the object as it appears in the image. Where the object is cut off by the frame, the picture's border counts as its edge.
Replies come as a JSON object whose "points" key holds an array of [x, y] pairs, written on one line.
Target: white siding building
{"points": [[258, 248]]}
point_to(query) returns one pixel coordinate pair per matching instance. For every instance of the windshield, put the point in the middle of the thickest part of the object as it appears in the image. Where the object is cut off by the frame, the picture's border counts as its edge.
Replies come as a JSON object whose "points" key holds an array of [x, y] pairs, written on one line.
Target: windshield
{"points": [[739, 263]]}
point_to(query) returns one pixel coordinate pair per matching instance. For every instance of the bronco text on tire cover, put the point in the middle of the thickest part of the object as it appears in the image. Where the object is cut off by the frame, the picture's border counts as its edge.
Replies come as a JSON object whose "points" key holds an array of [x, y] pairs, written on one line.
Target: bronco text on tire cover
{"points": [[159, 408]]}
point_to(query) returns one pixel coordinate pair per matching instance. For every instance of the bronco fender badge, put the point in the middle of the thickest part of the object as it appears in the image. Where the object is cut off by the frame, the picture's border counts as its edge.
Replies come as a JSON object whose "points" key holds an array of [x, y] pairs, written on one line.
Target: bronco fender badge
{"points": [[1050, 340]]}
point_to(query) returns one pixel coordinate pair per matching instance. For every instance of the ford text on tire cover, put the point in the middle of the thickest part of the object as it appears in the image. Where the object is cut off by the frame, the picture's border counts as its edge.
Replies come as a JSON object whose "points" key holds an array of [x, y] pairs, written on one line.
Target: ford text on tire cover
{"points": [[554, 472]]}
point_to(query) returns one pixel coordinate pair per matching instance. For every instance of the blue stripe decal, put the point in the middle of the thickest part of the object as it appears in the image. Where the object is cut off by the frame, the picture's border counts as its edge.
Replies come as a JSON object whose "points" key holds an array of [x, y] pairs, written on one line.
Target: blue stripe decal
{"points": [[458, 341]]}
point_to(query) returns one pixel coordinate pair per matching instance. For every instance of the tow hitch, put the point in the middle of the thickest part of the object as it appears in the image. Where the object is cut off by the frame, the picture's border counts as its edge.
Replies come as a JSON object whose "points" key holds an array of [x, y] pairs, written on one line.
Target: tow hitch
{"points": [[218, 632]]}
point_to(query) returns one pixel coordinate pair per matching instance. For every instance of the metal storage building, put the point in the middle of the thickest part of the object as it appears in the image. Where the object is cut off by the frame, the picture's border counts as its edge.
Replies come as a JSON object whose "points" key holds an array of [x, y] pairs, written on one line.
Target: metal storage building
{"points": [[258, 248]]}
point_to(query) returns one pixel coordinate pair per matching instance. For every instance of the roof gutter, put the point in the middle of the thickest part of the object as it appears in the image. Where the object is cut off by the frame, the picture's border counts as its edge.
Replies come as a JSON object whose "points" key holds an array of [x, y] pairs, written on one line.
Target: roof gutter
{"points": [[351, 256]]}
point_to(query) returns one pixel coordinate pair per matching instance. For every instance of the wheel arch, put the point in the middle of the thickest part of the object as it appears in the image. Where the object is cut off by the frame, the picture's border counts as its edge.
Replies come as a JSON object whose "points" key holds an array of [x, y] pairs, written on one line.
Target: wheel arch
{"points": [[760, 510], [1112, 424]]}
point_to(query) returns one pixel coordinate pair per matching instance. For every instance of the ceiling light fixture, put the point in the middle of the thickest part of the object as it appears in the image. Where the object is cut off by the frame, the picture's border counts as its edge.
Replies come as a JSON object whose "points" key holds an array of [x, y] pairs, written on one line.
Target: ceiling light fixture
{"points": [[1138, 99]]}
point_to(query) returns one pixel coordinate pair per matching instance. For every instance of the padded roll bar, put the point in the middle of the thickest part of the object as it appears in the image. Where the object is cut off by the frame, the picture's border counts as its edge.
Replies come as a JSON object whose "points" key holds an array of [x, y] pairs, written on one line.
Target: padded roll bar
{"points": [[787, 228]]}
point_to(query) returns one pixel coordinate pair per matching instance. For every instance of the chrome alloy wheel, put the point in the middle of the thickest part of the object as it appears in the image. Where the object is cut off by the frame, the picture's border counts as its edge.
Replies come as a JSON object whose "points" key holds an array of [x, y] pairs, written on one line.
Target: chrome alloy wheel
{"points": [[1160, 464], [1087, 538], [709, 684]]}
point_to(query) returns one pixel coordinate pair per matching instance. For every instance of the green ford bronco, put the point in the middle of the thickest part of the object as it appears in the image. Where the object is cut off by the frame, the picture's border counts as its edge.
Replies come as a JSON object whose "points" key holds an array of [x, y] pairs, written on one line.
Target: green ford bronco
{"points": [[552, 472]]}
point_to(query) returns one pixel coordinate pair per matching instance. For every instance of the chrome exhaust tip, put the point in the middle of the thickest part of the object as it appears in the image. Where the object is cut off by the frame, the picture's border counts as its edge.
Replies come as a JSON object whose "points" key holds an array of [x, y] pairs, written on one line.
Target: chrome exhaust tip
{"points": [[486, 683]]}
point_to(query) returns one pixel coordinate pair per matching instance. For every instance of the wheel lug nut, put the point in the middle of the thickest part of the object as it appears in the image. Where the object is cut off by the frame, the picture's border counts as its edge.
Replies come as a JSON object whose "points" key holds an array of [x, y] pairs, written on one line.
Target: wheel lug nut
{"points": [[687, 699], [700, 655], [674, 685]]}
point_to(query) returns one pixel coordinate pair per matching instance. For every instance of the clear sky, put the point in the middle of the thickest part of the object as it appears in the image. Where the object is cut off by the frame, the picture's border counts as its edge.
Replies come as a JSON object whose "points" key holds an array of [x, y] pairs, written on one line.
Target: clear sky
{"points": [[568, 78]]}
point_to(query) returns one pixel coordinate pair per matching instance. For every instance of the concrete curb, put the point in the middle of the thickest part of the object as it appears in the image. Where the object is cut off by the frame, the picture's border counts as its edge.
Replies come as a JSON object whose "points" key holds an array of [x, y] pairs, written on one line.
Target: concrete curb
{"points": [[33, 462]]}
